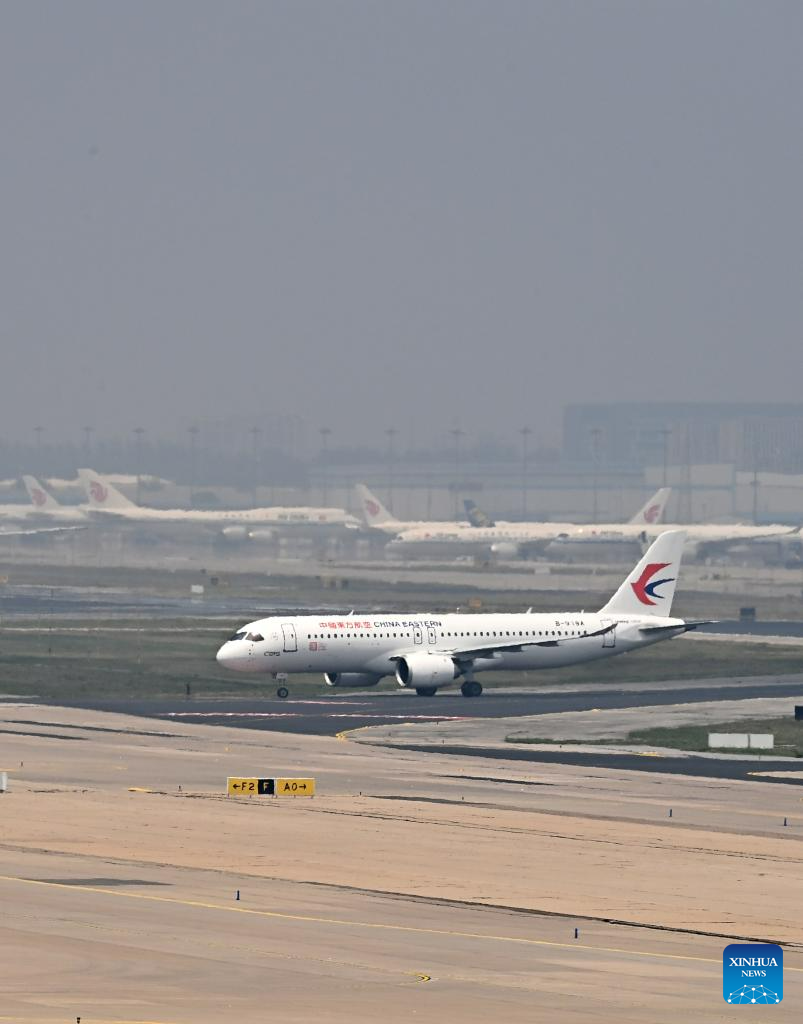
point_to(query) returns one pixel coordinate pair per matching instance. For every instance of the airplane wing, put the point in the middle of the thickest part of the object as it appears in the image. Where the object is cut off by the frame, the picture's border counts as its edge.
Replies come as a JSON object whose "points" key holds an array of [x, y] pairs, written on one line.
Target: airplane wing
{"points": [[512, 646], [37, 530]]}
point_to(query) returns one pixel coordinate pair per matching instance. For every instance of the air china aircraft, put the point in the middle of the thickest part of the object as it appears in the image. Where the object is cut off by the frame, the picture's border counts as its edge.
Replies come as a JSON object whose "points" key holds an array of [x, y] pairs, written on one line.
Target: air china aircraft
{"points": [[45, 517], [516, 539], [376, 517], [44, 505], [256, 523], [426, 652]]}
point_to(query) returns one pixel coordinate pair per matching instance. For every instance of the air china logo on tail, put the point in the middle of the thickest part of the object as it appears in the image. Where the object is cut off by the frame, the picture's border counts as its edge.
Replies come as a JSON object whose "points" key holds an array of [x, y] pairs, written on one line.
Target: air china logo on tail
{"points": [[651, 514], [645, 586], [371, 507], [98, 491], [37, 497]]}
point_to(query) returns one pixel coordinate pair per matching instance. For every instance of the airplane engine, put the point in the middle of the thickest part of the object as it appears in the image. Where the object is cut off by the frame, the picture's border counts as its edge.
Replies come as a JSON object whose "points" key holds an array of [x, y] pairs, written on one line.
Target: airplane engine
{"points": [[350, 679], [505, 549], [425, 671], [234, 533], [262, 533]]}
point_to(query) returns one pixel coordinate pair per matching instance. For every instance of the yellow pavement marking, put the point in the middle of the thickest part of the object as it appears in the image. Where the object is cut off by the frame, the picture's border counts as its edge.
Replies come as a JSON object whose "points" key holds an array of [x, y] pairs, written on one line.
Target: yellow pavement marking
{"points": [[374, 925], [345, 733]]}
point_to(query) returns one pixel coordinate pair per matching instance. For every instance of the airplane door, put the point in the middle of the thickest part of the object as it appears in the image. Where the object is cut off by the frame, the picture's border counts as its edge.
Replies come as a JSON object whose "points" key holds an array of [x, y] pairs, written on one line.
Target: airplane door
{"points": [[432, 636], [290, 642], [609, 638], [418, 636]]}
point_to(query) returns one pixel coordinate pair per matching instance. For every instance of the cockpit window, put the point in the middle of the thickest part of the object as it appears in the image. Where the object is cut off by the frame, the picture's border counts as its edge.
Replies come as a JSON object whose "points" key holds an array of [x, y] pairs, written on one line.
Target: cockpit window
{"points": [[238, 636], [255, 637]]}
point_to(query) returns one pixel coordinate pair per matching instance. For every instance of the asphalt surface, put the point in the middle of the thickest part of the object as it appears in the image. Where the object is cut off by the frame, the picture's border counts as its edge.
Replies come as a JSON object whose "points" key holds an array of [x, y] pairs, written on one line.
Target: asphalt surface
{"points": [[709, 767], [328, 715]]}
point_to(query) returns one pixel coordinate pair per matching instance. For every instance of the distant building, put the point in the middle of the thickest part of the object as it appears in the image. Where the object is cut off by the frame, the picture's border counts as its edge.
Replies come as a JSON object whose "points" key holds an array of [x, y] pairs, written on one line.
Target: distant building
{"points": [[747, 435]]}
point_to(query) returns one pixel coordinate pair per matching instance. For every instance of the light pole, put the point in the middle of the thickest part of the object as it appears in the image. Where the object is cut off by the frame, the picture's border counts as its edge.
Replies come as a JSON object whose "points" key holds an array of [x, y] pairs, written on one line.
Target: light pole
{"points": [[138, 432], [596, 433], [390, 433], [324, 432], [525, 436], [88, 441], [256, 469], [38, 434], [193, 432], [457, 435], [665, 432]]}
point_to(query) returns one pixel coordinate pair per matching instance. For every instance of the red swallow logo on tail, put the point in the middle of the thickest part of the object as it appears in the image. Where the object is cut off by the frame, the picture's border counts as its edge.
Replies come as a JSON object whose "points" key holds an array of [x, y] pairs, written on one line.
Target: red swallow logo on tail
{"points": [[98, 491], [371, 507], [651, 515], [645, 586], [37, 496]]}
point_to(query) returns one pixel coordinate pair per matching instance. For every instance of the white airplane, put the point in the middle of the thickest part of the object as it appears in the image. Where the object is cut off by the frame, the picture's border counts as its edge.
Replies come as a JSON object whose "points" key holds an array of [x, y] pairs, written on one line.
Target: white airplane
{"points": [[426, 652], [376, 517], [44, 505], [514, 539], [256, 523], [40, 518]]}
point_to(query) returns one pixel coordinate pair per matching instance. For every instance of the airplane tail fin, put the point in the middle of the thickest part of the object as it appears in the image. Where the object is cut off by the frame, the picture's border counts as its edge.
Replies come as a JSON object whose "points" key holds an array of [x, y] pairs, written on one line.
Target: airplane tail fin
{"points": [[475, 515], [650, 587], [40, 498], [100, 493], [652, 511], [372, 510]]}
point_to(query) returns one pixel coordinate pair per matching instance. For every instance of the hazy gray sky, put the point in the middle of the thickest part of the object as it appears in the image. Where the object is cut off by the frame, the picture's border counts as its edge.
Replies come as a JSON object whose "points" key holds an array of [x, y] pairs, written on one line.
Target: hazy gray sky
{"points": [[411, 213]]}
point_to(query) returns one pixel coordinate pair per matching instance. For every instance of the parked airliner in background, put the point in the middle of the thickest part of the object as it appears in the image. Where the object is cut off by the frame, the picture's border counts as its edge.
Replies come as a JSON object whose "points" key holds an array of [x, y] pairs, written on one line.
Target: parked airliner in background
{"points": [[376, 517], [514, 539], [426, 652], [44, 505], [256, 523]]}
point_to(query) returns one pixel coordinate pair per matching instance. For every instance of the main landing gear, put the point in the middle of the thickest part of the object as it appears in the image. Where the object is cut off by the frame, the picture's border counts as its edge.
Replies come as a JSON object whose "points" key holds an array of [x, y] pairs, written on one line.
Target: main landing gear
{"points": [[470, 688]]}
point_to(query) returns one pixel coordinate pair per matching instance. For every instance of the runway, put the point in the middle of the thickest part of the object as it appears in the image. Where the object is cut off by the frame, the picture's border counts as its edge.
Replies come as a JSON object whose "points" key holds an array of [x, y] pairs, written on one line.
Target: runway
{"points": [[329, 715], [703, 767]]}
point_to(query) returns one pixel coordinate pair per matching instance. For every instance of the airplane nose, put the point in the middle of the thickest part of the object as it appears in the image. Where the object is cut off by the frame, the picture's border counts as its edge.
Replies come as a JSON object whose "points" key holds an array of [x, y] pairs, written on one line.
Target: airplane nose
{"points": [[223, 657]]}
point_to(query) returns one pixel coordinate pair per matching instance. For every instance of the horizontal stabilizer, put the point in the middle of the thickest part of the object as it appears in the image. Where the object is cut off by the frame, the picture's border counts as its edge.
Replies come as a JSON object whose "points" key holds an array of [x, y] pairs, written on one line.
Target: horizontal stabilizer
{"points": [[685, 626]]}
